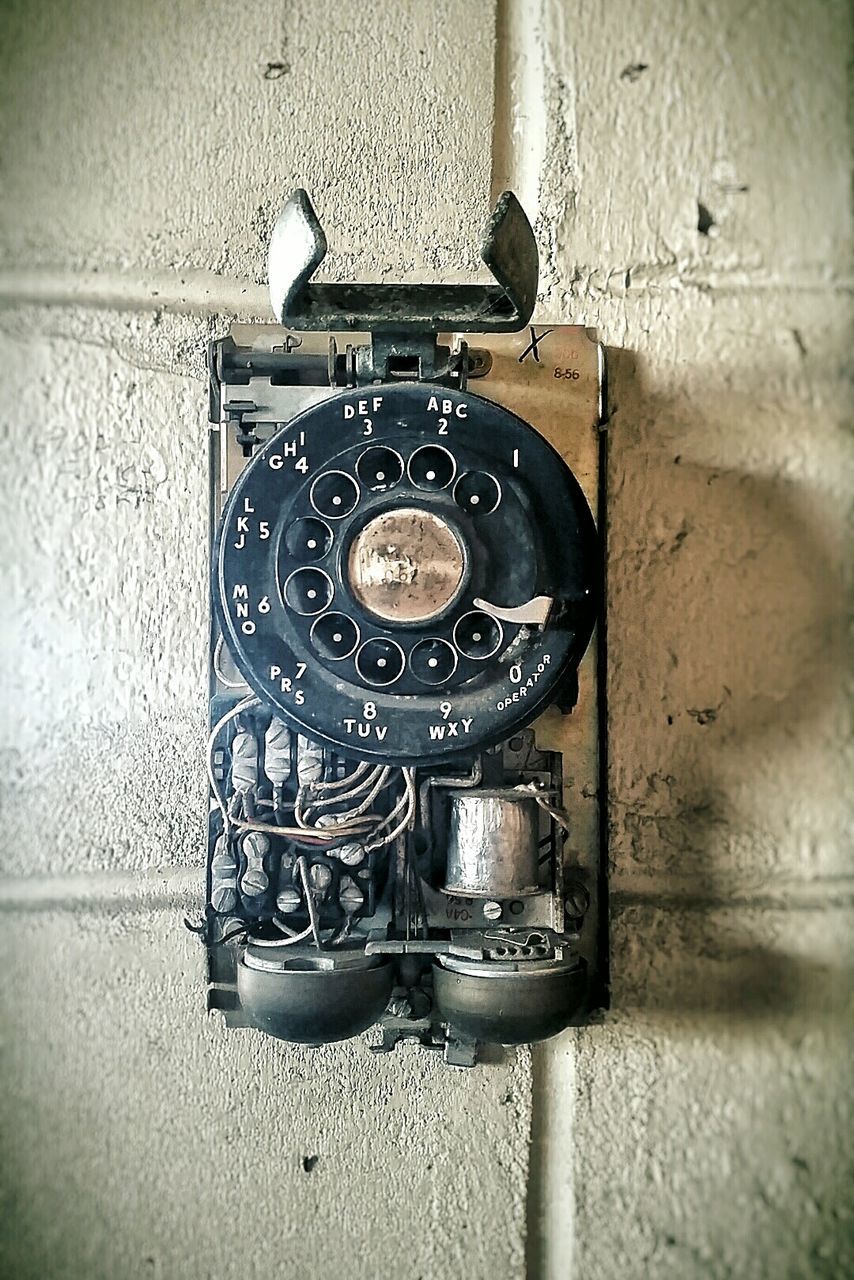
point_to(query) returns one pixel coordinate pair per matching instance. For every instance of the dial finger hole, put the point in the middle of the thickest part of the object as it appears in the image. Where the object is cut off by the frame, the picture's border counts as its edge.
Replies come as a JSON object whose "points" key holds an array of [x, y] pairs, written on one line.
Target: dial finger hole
{"points": [[334, 494], [334, 636], [433, 661], [379, 468], [380, 661], [477, 635], [309, 591], [432, 467], [477, 492], [308, 539]]}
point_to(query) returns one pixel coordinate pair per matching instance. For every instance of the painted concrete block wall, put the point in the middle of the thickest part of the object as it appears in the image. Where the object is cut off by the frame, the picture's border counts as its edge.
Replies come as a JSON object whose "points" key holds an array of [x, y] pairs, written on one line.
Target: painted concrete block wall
{"points": [[686, 166], [696, 175]]}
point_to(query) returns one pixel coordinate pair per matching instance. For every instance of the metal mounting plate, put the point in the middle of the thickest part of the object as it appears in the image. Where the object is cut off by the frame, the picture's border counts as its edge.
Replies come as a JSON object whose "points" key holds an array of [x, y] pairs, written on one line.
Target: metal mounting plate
{"points": [[552, 376]]}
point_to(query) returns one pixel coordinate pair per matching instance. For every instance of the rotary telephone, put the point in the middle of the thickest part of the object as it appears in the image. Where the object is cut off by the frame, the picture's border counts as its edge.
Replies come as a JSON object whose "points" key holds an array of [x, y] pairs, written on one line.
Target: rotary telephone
{"points": [[405, 576]]}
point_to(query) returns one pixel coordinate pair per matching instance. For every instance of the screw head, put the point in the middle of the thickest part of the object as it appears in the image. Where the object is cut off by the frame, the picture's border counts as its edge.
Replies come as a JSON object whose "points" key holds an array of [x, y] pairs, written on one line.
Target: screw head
{"points": [[320, 876], [255, 882], [577, 899], [351, 898], [255, 844], [223, 898], [492, 910], [288, 900]]}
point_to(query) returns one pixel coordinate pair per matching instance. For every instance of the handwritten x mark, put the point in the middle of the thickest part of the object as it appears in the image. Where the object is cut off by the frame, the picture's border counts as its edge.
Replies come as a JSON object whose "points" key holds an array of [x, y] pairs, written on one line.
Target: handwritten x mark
{"points": [[532, 348]]}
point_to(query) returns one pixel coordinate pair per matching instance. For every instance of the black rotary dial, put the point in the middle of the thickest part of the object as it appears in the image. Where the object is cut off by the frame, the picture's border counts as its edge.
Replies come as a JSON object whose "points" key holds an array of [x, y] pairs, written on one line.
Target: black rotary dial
{"points": [[363, 550]]}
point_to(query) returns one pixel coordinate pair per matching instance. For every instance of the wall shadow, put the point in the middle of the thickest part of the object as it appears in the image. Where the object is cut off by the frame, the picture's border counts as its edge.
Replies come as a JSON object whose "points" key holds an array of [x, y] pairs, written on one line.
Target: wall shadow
{"points": [[726, 683]]}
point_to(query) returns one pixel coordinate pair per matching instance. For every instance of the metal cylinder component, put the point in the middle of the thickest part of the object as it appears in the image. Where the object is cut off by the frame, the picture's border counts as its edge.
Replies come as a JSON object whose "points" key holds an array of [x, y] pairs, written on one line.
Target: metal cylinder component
{"points": [[493, 844]]}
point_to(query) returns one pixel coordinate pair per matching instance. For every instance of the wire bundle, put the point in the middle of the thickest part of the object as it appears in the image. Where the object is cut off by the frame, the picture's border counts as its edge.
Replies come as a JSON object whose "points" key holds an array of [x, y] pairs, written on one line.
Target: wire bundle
{"points": [[327, 815], [319, 819]]}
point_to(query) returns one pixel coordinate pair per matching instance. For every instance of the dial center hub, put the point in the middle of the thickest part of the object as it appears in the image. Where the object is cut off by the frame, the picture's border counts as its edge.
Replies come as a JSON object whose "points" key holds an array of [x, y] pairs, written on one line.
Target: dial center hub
{"points": [[406, 565]]}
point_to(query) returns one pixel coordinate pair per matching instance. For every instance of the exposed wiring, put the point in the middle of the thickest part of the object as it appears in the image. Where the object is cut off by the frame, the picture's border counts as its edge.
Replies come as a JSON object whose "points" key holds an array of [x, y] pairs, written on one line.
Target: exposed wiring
{"points": [[555, 811], [385, 830], [335, 939], [370, 784], [282, 927], [419, 889], [360, 770], [229, 937], [366, 784], [230, 715], [343, 933], [308, 835], [314, 927], [293, 937], [408, 818], [381, 782], [316, 836], [393, 813]]}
